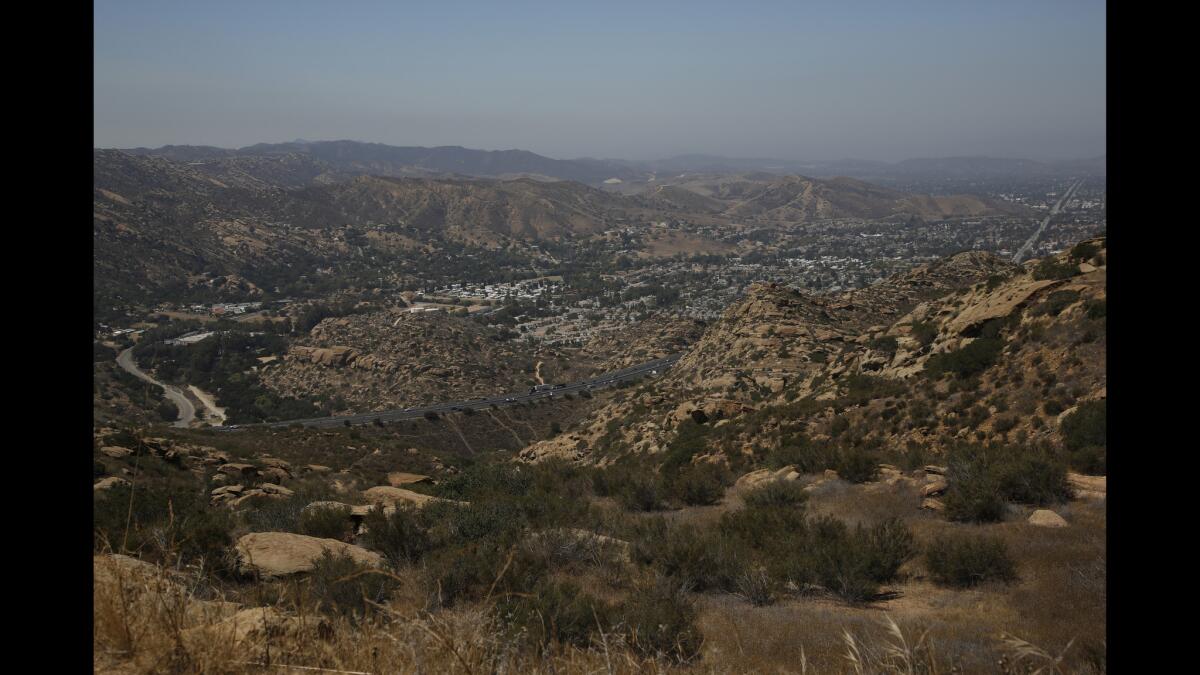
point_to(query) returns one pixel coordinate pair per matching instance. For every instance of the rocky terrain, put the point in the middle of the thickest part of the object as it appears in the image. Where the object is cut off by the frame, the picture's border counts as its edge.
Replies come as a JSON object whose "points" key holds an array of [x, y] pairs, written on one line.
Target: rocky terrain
{"points": [[931, 446], [388, 360], [779, 345]]}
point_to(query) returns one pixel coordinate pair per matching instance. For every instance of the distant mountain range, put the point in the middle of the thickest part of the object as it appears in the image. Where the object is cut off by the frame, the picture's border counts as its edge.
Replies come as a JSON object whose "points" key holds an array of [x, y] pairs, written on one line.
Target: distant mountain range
{"points": [[165, 218], [337, 160]]}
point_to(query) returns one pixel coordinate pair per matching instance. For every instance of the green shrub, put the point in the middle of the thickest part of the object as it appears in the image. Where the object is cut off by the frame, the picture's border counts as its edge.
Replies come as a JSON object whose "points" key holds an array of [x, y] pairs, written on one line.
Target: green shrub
{"points": [[162, 523], [399, 536], [269, 514], [1004, 424], [776, 493], [470, 571], [1084, 251], [1055, 303], [1096, 309], [642, 492], [856, 465], [1087, 426], [1050, 269], [963, 561], [888, 545], [760, 526], [660, 621], [976, 357], [340, 585], [982, 479], [700, 484], [1085, 436], [924, 332], [690, 440], [758, 586], [697, 559], [327, 523], [886, 344], [556, 613], [839, 426], [848, 563]]}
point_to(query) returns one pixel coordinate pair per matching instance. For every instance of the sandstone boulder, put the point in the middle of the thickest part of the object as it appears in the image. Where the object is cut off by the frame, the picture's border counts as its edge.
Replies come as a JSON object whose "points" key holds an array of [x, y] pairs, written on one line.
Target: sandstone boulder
{"points": [[1088, 487], [273, 489], [276, 554], [933, 504], [997, 305], [115, 451], [237, 469], [936, 486], [273, 474], [399, 478], [105, 484], [1046, 518], [761, 477], [394, 496]]}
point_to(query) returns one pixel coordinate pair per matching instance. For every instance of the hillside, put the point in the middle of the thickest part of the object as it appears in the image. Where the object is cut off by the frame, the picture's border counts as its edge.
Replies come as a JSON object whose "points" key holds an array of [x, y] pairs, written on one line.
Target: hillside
{"points": [[803, 199], [389, 360], [163, 227], [778, 346], [928, 448]]}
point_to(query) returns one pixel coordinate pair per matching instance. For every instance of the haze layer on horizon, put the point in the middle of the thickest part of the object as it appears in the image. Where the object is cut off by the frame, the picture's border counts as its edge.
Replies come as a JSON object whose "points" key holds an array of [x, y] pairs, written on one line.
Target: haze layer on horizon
{"points": [[789, 80]]}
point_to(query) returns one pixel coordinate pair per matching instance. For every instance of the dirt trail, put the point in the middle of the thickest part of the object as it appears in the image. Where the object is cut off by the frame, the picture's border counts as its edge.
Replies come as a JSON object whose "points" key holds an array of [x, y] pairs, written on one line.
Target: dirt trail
{"points": [[460, 434], [510, 429], [537, 372], [214, 413]]}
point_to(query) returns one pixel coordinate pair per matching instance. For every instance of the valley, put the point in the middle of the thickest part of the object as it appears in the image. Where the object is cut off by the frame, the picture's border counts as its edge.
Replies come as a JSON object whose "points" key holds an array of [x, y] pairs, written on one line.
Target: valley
{"points": [[677, 420]]}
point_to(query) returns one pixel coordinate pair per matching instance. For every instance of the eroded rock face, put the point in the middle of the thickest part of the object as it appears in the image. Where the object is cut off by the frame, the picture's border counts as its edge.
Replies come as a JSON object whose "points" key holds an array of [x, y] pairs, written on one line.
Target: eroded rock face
{"points": [[997, 305], [105, 484], [756, 479], [276, 554], [1088, 487], [324, 356], [394, 496], [400, 478]]}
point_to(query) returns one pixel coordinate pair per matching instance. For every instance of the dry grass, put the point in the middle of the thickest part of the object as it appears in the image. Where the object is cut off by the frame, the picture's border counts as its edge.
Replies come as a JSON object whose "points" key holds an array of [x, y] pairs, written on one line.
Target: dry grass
{"points": [[145, 621], [150, 621]]}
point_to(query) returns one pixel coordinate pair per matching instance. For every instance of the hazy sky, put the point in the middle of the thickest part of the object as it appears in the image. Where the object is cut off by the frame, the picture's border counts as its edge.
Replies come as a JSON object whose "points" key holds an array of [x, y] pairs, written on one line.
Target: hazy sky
{"points": [[791, 80]]}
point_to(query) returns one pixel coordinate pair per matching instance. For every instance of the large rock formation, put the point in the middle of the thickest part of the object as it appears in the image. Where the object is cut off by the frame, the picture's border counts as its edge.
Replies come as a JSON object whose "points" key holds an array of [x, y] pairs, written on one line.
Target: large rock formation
{"points": [[277, 554]]}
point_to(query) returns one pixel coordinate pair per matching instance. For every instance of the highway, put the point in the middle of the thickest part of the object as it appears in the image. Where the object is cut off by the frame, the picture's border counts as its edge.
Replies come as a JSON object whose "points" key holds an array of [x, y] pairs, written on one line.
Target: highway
{"points": [[600, 381], [1025, 248]]}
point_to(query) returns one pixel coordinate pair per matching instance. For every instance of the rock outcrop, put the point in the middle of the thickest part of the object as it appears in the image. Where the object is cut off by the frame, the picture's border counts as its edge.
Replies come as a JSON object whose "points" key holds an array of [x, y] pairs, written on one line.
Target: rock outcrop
{"points": [[277, 554]]}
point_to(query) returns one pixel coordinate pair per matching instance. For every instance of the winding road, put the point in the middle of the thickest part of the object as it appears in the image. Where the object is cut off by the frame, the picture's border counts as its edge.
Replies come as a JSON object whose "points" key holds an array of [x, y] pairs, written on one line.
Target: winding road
{"points": [[187, 411]]}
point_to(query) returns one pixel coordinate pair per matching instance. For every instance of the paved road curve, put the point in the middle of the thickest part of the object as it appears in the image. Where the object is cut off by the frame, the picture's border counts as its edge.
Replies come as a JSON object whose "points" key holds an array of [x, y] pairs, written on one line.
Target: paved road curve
{"points": [[187, 411], [600, 381]]}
